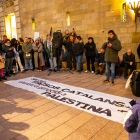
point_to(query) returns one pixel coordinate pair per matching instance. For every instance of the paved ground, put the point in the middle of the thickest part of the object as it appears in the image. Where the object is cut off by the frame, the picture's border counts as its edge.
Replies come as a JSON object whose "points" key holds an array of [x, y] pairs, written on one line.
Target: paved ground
{"points": [[27, 116]]}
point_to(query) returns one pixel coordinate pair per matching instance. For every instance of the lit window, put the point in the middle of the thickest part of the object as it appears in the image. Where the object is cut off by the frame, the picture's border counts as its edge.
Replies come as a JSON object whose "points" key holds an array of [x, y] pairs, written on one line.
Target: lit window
{"points": [[123, 12], [33, 24], [68, 19]]}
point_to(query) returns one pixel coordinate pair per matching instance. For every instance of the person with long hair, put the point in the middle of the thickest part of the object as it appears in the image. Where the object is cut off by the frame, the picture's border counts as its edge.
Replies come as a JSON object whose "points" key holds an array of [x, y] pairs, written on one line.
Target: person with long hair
{"points": [[16, 50], [78, 51], [71, 56], [38, 55], [90, 54], [21, 41]]}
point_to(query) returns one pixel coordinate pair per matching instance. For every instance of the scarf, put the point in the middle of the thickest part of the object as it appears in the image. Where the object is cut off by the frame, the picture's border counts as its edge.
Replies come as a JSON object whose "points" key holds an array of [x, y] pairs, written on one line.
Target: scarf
{"points": [[49, 45]]}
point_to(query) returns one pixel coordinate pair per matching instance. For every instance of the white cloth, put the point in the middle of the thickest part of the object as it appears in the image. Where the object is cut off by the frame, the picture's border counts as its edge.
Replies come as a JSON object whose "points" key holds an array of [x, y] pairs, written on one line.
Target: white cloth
{"points": [[126, 117]]}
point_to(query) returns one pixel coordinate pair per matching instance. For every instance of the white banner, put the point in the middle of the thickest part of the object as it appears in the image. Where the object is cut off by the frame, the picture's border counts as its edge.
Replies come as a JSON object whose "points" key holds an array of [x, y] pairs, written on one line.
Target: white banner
{"points": [[98, 103]]}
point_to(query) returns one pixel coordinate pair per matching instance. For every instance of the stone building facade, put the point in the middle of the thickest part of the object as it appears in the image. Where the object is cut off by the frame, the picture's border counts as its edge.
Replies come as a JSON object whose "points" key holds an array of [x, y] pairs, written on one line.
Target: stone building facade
{"points": [[89, 18]]}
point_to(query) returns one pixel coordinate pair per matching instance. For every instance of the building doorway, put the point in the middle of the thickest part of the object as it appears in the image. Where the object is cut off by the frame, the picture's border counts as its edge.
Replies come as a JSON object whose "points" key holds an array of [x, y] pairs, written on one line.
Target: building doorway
{"points": [[10, 26]]}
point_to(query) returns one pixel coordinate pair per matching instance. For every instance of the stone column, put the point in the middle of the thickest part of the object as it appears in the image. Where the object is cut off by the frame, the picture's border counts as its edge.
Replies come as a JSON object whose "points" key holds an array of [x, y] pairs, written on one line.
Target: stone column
{"points": [[17, 14], [1, 22]]}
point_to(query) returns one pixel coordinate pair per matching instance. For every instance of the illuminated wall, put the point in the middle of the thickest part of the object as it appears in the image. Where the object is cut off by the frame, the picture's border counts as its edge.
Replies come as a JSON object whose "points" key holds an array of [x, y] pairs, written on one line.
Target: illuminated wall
{"points": [[10, 26]]}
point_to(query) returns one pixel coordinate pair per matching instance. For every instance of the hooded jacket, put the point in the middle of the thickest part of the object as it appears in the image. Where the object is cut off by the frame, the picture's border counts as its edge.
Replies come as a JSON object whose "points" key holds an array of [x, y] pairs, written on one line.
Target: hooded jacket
{"points": [[111, 53], [132, 124], [90, 49], [78, 48]]}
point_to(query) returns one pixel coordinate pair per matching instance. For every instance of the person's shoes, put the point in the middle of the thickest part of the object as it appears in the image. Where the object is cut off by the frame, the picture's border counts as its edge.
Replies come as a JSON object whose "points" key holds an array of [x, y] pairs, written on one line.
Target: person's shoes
{"points": [[78, 71], [32, 69], [4, 78], [98, 72], [37, 70], [126, 77], [22, 71], [50, 69], [68, 69], [0, 79], [86, 71], [92, 72], [55, 70], [101, 73], [106, 81], [11, 72], [73, 69], [26, 69], [112, 83], [7, 74], [40, 70]]}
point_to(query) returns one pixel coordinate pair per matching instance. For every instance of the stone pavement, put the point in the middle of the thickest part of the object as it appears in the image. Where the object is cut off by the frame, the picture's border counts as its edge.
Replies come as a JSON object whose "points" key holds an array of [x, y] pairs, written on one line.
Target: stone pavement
{"points": [[27, 116]]}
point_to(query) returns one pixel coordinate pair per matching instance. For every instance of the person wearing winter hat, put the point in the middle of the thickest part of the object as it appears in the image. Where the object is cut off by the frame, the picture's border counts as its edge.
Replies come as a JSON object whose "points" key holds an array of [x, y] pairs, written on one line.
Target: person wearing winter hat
{"points": [[4, 38]]}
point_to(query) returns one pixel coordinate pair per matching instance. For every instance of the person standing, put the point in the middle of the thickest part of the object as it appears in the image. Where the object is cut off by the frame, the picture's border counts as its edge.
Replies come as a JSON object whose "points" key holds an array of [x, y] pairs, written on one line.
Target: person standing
{"points": [[21, 41], [71, 56], [16, 55], [78, 51], [38, 55], [112, 46], [27, 50], [90, 54], [8, 49], [51, 51]]}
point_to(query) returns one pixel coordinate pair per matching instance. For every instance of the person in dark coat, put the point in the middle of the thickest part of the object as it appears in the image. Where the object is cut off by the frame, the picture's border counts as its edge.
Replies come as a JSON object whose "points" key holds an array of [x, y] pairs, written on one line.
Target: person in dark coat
{"points": [[90, 54], [27, 50], [78, 51], [131, 121], [100, 62], [138, 51], [128, 62], [8, 49], [71, 56], [18, 48], [112, 46]]}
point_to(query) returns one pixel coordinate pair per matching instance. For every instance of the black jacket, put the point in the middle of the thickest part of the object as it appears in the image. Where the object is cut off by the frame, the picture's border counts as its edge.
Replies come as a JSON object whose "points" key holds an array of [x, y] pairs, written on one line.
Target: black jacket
{"points": [[9, 53], [18, 48], [100, 57], [90, 49], [69, 46], [138, 51], [127, 59], [78, 48]]}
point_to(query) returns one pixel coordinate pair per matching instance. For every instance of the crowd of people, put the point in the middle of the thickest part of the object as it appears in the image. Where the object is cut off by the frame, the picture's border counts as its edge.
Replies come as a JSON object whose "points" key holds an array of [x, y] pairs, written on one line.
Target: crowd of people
{"points": [[38, 54]]}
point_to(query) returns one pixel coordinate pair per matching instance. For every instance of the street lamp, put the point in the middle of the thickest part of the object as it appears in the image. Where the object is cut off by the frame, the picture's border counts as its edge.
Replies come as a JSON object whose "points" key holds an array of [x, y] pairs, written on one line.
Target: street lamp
{"points": [[136, 9]]}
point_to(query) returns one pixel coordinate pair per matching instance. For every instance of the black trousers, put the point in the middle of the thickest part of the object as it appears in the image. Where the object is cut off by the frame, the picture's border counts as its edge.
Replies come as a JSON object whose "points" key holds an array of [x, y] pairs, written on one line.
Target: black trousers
{"points": [[71, 57], [127, 66], [92, 58]]}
